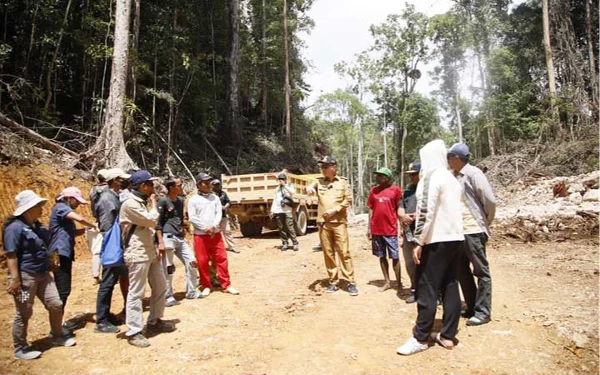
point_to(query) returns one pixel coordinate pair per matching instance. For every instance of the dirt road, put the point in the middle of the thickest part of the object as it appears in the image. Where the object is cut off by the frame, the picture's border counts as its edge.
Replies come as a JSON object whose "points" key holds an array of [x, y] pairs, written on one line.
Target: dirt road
{"points": [[545, 299]]}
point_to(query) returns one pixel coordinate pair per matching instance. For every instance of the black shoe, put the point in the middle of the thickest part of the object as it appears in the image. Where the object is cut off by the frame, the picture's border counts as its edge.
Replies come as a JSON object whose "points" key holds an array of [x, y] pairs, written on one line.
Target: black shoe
{"points": [[160, 327], [467, 314], [476, 321], [114, 320], [106, 328], [317, 248]]}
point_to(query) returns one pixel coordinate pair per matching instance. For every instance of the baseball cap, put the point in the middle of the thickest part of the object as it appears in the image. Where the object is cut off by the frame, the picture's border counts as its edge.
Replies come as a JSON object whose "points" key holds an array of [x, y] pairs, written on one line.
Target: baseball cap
{"points": [[25, 200], [113, 173], [414, 167], [141, 176], [203, 177], [73, 192], [459, 149], [327, 160], [282, 176], [102, 173], [384, 171], [215, 182]]}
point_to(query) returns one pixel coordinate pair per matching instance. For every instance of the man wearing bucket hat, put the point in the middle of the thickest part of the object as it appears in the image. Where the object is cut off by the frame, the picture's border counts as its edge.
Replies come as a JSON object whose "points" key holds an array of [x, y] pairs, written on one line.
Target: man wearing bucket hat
{"points": [[383, 201], [28, 263], [334, 199], [139, 216], [406, 214], [479, 207], [62, 239]]}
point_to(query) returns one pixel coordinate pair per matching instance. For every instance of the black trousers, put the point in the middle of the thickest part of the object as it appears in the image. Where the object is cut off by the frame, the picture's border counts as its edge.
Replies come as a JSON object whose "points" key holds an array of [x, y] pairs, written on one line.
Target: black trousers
{"points": [[110, 277], [438, 273], [478, 297], [62, 278]]}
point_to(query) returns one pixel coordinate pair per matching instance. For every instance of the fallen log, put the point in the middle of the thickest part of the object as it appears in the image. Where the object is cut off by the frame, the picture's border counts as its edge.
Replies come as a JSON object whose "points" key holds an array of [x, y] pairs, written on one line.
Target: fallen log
{"points": [[52, 146]]}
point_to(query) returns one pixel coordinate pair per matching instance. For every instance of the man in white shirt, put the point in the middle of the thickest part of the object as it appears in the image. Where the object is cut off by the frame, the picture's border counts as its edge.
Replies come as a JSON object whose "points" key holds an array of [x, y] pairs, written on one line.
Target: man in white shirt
{"points": [[205, 212]]}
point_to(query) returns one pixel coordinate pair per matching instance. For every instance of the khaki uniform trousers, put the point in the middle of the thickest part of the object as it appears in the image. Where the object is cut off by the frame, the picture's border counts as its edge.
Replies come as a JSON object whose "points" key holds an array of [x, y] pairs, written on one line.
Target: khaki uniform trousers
{"points": [[334, 239]]}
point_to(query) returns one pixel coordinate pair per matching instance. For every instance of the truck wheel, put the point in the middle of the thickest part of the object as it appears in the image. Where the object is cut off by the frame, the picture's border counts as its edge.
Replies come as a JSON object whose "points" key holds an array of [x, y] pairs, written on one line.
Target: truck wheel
{"points": [[251, 228], [301, 222]]}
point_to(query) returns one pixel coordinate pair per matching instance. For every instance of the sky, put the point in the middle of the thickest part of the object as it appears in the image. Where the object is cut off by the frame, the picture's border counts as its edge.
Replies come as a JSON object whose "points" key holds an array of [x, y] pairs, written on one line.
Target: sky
{"points": [[342, 31]]}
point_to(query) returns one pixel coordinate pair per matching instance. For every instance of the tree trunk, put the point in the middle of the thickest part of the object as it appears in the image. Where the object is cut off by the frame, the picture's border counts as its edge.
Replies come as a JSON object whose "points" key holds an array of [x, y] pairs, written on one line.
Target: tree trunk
{"points": [[385, 148], [288, 123], [263, 73], [548, 53], [458, 118], [234, 79], [136, 40], [110, 142], [591, 57], [55, 57]]}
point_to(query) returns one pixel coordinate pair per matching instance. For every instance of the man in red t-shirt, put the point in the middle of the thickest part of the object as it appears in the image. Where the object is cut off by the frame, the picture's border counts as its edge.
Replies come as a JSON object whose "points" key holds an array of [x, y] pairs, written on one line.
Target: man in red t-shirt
{"points": [[383, 201]]}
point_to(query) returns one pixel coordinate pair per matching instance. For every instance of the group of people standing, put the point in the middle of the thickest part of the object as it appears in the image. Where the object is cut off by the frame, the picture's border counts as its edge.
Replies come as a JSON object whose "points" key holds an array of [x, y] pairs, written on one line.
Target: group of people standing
{"points": [[444, 217], [441, 222], [149, 233]]}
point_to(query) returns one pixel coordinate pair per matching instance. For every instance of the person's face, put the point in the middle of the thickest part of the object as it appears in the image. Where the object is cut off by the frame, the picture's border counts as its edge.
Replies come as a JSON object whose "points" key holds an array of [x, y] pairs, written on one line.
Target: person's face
{"points": [[454, 162], [34, 213], [204, 186], [73, 203], [328, 170], [414, 178], [381, 179], [177, 187], [147, 188], [116, 184], [217, 188]]}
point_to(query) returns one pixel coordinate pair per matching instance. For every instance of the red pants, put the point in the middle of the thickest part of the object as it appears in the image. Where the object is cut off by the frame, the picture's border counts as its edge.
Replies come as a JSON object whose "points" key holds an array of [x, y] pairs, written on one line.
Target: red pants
{"points": [[207, 247]]}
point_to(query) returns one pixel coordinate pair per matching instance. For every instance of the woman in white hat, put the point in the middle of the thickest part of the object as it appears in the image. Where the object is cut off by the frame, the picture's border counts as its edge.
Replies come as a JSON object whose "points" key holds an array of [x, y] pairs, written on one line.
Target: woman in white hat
{"points": [[25, 240], [62, 239]]}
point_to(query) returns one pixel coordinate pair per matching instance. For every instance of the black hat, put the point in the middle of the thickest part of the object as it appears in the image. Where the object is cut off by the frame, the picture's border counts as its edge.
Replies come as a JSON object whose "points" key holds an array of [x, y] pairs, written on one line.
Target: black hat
{"points": [[327, 160], [282, 176]]}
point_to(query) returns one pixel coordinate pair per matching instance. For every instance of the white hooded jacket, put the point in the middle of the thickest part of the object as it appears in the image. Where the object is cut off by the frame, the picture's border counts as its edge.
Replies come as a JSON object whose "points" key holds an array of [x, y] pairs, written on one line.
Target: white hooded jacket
{"points": [[439, 211]]}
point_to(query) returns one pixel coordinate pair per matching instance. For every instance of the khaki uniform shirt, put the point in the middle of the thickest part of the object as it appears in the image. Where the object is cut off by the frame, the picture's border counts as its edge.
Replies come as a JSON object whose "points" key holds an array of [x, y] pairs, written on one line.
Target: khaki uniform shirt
{"points": [[141, 246], [332, 193]]}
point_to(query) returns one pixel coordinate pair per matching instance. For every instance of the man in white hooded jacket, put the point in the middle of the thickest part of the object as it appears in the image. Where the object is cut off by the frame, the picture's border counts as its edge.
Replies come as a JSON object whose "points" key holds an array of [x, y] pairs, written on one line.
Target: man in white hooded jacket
{"points": [[438, 237]]}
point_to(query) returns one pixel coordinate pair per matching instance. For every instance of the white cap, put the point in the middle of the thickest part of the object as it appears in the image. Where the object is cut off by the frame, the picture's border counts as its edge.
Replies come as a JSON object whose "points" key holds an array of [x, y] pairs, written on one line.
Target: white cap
{"points": [[113, 173], [25, 200]]}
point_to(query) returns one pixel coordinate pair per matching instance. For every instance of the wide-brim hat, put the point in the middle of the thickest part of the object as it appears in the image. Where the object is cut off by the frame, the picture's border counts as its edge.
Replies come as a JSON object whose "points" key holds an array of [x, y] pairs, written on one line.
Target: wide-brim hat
{"points": [[26, 200]]}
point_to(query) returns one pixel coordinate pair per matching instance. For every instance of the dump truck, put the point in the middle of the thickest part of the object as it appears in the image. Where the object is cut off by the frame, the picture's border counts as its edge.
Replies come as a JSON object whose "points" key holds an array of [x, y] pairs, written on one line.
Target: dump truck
{"points": [[251, 197]]}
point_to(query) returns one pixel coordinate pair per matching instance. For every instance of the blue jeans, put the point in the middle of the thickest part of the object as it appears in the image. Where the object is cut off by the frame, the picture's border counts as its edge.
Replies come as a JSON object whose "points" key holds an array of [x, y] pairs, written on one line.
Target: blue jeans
{"points": [[179, 247]]}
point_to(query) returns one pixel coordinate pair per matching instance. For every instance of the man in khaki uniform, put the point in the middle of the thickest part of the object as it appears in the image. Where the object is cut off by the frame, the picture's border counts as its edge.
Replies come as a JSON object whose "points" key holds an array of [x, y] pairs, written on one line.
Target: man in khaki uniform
{"points": [[334, 200]]}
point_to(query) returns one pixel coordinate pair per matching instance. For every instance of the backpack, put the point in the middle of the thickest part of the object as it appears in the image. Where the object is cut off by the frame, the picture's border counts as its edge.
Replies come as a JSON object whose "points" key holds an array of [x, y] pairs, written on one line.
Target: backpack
{"points": [[112, 245]]}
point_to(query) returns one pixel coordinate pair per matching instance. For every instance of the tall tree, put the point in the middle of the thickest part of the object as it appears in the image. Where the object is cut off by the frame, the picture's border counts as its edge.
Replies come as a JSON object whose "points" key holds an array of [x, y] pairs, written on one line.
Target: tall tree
{"points": [[110, 142], [288, 120], [548, 53], [234, 71]]}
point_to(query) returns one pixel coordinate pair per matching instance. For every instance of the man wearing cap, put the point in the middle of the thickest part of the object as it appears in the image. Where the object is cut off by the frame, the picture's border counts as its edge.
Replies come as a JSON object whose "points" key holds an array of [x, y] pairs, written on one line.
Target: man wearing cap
{"points": [[217, 188], [205, 212], [334, 199], [283, 213], [479, 208], [406, 214], [382, 229], [108, 211], [171, 239], [139, 216], [94, 237]]}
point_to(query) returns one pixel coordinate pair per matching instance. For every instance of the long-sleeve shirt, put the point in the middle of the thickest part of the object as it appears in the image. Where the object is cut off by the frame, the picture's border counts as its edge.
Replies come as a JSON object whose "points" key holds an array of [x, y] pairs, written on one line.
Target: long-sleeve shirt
{"points": [[332, 193], [135, 211], [479, 197], [204, 211], [281, 192]]}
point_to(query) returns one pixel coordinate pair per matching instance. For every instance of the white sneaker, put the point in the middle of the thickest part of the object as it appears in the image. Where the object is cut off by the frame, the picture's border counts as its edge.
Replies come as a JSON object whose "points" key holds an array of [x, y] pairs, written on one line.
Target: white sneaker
{"points": [[64, 341], [205, 292], [412, 346], [232, 290]]}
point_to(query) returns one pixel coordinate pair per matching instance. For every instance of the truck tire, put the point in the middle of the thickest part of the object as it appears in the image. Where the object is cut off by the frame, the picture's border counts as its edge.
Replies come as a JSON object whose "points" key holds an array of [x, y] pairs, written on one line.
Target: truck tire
{"points": [[301, 222], [251, 228]]}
